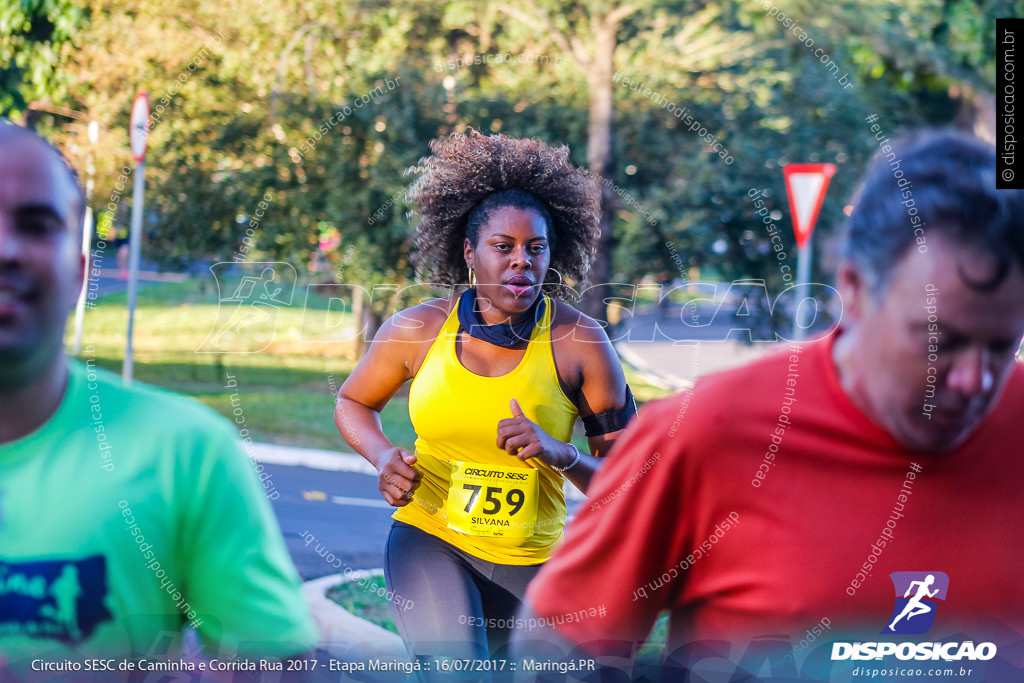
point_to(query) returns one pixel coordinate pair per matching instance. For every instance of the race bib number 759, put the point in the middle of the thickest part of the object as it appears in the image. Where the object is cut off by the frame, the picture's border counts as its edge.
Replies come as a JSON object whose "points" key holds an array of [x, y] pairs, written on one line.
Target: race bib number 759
{"points": [[491, 500]]}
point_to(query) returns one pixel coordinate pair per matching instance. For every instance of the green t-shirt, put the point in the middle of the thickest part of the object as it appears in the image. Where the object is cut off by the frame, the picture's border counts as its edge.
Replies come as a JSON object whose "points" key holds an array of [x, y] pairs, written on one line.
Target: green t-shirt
{"points": [[129, 513]]}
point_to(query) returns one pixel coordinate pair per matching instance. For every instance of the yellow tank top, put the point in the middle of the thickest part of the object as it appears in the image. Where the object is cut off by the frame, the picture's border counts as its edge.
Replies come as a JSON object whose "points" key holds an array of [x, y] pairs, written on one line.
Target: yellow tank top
{"points": [[456, 413]]}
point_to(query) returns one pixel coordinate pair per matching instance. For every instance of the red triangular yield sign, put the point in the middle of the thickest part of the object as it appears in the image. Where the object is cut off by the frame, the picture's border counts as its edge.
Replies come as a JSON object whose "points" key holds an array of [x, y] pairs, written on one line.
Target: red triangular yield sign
{"points": [[806, 185]]}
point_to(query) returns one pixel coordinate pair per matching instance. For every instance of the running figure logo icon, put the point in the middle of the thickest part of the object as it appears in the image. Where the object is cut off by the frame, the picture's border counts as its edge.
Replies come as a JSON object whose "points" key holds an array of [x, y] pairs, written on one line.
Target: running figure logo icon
{"points": [[916, 595], [247, 318]]}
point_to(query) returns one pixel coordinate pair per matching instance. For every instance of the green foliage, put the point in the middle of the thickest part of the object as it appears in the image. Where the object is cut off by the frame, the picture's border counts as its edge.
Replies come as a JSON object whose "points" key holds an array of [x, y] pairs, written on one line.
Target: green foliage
{"points": [[251, 101], [35, 37], [360, 597]]}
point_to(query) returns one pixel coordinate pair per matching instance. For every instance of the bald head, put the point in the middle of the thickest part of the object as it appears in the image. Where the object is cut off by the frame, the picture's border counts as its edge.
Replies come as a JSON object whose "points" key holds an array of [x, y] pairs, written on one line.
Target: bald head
{"points": [[16, 141]]}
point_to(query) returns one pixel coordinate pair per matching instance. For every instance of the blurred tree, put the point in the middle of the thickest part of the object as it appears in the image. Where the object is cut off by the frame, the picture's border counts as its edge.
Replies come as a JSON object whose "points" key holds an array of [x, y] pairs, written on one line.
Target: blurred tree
{"points": [[679, 65], [35, 38], [268, 121], [589, 33], [317, 109], [941, 53], [738, 72]]}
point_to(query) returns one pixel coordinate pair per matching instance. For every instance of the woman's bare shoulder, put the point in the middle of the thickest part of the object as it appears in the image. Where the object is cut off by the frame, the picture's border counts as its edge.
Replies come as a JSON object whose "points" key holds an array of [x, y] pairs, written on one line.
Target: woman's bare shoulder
{"points": [[419, 323], [572, 325]]}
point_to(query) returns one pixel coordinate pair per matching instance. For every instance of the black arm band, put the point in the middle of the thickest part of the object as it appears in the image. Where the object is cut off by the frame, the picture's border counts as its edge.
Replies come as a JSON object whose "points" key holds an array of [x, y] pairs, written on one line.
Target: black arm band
{"points": [[611, 420]]}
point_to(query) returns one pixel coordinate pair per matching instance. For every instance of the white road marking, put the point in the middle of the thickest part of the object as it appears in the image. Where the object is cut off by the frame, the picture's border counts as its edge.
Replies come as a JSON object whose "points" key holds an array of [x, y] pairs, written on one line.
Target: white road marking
{"points": [[361, 502]]}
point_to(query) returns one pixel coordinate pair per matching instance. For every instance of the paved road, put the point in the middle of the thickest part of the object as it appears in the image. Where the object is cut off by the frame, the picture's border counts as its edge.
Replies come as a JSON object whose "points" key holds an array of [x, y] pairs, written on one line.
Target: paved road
{"points": [[353, 530], [683, 343]]}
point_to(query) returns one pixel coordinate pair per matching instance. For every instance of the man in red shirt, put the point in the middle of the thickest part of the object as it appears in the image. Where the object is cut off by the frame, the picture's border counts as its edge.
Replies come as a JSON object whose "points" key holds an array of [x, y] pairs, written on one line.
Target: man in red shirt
{"points": [[779, 508]]}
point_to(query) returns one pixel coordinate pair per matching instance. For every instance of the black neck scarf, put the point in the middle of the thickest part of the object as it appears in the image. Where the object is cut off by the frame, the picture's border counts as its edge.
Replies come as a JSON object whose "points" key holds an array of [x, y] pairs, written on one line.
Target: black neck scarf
{"points": [[503, 334]]}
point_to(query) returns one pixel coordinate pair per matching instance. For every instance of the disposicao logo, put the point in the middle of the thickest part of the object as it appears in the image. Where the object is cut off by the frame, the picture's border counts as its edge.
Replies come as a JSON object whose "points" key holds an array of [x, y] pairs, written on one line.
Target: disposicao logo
{"points": [[917, 594]]}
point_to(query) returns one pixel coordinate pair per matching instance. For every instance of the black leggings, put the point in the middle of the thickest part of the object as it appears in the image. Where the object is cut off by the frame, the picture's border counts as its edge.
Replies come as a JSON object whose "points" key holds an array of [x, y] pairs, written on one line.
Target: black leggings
{"points": [[459, 606]]}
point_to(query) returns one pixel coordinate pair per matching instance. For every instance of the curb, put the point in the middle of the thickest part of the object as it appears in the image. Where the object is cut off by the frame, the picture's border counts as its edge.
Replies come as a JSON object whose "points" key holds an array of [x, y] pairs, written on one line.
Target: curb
{"points": [[314, 458], [649, 374], [341, 631]]}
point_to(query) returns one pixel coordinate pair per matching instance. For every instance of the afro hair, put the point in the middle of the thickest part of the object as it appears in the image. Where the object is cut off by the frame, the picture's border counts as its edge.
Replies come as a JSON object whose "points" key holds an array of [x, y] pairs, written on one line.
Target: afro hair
{"points": [[464, 169]]}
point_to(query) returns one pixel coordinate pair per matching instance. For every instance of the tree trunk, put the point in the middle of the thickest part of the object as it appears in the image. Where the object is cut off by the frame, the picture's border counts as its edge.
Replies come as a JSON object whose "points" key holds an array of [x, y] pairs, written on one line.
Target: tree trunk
{"points": [[367, 321], [600, 157]]}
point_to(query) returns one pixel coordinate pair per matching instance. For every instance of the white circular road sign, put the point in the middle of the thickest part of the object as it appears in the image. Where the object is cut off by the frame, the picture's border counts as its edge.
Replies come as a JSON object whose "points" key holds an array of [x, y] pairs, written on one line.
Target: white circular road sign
{"points": [[139, 127]]}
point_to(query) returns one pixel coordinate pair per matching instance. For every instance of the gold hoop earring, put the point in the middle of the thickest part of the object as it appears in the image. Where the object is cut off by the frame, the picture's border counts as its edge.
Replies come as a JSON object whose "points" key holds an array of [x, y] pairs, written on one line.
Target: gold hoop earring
{"points": [[472, 278], [561, 288]]}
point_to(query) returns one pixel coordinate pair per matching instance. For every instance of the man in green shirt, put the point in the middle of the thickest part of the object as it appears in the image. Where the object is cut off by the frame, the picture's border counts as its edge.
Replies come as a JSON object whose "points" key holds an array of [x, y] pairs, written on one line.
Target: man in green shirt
{"points": [[125, 513]]}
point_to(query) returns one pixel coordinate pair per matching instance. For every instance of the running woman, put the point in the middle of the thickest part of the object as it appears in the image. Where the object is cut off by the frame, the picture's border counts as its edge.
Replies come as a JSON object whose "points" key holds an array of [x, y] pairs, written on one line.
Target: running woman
{"points": [[500, 371]]}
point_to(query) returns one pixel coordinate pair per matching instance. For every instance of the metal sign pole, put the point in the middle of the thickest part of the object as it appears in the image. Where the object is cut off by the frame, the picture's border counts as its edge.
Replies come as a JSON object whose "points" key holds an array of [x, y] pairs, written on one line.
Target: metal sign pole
{"points": [[87, 227], [133, 264], [80, 306], [139, 132], [803, 278]]}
